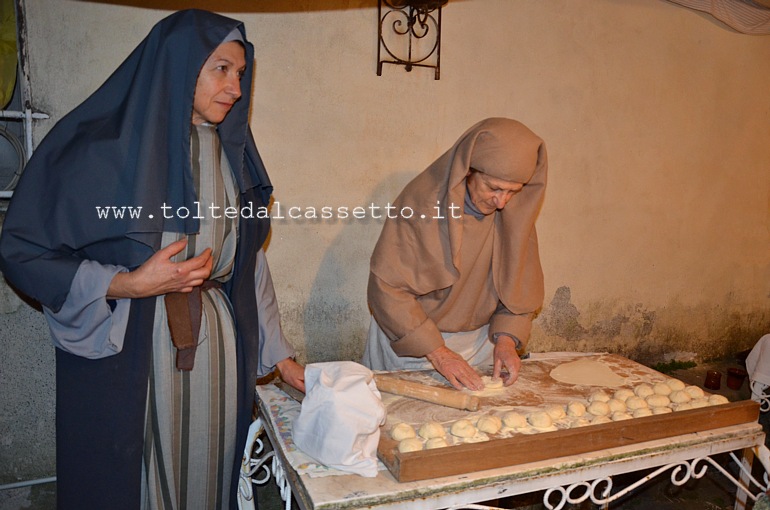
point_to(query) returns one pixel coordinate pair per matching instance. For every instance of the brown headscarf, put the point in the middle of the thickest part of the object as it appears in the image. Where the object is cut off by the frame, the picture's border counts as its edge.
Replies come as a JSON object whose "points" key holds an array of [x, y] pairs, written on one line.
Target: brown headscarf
{"points": [[419, 254]]}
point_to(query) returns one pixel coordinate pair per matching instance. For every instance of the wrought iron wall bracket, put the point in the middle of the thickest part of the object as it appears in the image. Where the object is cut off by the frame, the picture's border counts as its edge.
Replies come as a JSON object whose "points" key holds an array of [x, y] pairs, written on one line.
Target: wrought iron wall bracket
{"points": [[409, 34]]}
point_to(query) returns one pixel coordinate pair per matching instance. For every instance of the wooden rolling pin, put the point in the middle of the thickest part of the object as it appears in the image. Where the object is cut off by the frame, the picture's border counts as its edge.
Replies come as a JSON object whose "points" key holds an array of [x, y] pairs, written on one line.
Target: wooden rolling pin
{"points": [[433, 394]]}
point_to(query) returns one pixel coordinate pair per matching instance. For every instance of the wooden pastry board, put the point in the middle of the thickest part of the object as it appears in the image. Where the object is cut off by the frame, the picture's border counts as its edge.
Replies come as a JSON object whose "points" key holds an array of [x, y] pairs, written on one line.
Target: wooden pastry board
{"points": [[535, 390]]}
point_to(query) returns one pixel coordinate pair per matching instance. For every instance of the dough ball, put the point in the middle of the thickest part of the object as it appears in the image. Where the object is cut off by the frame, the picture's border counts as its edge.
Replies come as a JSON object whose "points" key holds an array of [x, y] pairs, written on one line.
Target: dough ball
{"points": [[616, 406], [621, 416], [675, 384], [684, 406], [644, 390], [540, 420], [694, 391], [599, 408], [716, 400], [644, 411], [514, 420], [556, 412], [489, 424], [635, 403], [601, 419], [411, 444], [576, 409], [697, 403], [622, 394], [661, 410], [432, 429], [463, 428], [491, 383], [436, 442], [580, 422], [658, 400], [598, 396], [679, 397], [402, 431], [662, 388]]}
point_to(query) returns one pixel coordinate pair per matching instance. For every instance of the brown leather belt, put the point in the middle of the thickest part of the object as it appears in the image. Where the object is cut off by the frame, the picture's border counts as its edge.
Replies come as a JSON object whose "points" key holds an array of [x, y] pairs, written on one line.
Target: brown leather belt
{"points": [[183, 310]]}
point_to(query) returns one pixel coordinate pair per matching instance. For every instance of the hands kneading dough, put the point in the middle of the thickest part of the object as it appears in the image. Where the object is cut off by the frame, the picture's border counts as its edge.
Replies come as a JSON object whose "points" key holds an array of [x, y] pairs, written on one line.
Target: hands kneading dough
{"points": [[491, 383]]}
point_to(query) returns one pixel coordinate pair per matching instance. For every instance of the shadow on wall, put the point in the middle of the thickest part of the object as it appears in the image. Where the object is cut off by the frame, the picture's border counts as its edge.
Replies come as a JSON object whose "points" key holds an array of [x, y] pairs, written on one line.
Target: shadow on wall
{"points": [[336, 314]]}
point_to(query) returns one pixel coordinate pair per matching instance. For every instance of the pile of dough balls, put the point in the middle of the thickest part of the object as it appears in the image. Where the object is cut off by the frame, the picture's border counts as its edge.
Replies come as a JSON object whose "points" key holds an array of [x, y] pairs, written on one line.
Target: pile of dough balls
{"points": [[602, 407], [648, 399], [430, 435]]}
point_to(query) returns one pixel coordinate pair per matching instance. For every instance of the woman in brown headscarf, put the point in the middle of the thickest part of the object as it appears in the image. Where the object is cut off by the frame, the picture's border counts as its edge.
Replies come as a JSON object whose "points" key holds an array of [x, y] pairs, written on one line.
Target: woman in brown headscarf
{"points": [[455, 277]]}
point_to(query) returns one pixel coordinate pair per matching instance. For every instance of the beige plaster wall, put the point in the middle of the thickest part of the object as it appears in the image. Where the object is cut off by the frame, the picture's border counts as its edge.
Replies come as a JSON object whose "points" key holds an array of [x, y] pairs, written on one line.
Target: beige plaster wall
{"points": [[657, 120]]}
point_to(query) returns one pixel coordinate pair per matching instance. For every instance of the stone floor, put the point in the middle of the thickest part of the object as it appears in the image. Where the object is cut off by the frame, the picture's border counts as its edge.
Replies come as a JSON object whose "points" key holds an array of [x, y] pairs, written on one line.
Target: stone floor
{"points": [[712, 492]]}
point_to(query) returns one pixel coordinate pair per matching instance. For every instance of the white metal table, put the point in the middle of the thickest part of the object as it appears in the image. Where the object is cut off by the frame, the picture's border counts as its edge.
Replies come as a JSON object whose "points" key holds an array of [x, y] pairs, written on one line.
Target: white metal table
{"points": [[565, 480]]}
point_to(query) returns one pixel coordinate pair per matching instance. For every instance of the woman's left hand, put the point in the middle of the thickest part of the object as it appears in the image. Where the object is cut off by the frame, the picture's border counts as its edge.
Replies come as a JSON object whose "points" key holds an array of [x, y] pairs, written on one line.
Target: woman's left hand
{"points": [[292, 372], [506, 357]]}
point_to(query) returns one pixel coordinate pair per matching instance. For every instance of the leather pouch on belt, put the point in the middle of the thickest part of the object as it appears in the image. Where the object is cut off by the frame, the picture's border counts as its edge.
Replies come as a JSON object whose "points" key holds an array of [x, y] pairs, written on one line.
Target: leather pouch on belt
{"points": [[183, 310]]}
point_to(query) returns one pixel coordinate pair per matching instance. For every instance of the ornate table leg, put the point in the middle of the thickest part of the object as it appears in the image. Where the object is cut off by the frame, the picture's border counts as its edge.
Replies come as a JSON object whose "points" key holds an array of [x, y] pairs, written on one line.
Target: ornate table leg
{"points": [[599, 491], [252, 463]]}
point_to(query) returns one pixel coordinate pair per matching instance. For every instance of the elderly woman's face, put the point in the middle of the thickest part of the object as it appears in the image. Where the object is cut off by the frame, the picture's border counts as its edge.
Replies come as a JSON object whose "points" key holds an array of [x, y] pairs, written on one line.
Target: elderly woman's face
{"points": [[490, 194], [219, 83]]}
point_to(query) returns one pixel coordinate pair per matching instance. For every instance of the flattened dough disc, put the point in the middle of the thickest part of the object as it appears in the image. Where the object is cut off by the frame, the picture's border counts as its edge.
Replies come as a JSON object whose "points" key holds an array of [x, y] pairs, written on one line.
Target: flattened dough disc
{"points": [[587, 372]]}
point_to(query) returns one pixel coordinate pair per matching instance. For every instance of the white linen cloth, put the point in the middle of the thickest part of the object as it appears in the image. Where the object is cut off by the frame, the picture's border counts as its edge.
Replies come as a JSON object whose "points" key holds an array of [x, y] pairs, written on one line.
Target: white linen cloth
{"points": [[758, 365], [339, 424]]}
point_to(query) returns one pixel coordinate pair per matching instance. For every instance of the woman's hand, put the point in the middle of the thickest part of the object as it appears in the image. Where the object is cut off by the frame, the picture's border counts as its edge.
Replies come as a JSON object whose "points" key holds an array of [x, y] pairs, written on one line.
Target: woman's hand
{"points": [[456, 370], [506, 357], [160, 275], [292, 373]]}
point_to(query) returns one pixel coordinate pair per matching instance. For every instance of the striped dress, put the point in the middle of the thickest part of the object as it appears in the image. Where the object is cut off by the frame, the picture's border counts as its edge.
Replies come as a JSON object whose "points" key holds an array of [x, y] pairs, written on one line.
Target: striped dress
{"points": [[191, 415]]}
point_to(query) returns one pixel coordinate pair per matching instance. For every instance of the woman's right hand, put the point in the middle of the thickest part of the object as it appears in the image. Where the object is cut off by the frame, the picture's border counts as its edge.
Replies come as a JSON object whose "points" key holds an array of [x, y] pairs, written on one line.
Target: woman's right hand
{"points": [[456, 370], [160, 275]]}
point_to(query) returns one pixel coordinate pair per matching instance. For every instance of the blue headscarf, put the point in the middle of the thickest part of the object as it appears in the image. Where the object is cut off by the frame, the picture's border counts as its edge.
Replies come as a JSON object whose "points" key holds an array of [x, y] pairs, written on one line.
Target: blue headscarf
{"points": [[128, 144]]}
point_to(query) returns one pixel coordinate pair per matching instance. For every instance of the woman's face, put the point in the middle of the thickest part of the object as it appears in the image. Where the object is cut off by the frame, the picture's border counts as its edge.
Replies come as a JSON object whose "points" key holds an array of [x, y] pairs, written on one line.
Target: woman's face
{"points": [[490, 194], [219, 83]]}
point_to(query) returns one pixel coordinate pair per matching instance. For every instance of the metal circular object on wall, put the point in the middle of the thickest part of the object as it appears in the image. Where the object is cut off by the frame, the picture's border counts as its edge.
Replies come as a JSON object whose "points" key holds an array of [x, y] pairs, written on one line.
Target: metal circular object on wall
{"points": [[11, 159]]}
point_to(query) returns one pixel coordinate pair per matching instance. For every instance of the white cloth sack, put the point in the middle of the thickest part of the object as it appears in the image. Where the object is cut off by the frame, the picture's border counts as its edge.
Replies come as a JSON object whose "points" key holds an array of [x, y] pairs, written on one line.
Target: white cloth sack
{"points": [[339, 424], [758, 361]]}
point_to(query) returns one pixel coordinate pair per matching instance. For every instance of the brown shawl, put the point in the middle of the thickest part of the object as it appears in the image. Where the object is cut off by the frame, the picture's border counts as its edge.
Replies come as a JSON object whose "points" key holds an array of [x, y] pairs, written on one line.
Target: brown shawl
{"points": [[420, 254]]}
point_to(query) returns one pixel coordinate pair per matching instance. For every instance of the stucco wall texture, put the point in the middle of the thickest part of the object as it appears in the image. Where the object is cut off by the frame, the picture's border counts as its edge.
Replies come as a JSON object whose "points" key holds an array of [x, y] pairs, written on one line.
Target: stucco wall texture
{"points": [[655, 233]]}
